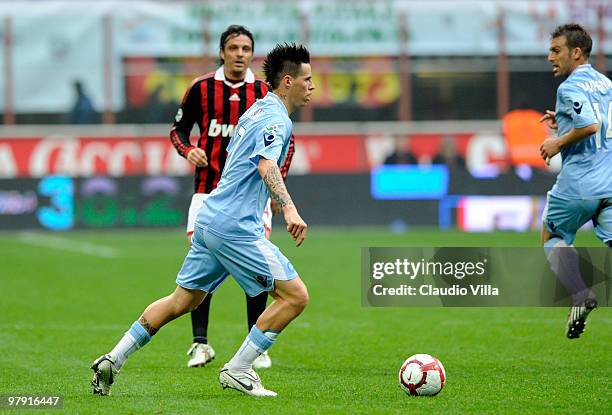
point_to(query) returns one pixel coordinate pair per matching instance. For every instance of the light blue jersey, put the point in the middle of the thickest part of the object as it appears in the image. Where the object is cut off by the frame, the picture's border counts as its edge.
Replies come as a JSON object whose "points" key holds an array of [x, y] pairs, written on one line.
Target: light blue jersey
{"points": [[583, 99], [234, 209]]}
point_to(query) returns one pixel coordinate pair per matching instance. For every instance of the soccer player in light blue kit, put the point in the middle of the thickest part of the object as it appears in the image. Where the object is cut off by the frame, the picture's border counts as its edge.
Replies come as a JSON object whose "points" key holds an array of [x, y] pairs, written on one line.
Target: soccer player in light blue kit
{"points": [[229, 233], [583, 191]]}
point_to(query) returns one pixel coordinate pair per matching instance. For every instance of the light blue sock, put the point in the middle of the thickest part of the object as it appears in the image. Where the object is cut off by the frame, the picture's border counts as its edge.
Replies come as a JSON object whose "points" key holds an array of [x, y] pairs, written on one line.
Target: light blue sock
{"points": [[271, 334], [133, 339]]}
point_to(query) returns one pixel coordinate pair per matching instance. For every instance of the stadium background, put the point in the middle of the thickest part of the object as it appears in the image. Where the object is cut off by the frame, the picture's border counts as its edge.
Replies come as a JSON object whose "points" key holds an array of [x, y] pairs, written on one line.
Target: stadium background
{"points": [[415, 74]]}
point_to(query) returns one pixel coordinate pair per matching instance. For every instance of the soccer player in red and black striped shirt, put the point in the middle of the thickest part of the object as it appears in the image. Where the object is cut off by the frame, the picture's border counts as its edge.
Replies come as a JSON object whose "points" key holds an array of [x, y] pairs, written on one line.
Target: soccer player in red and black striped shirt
{"points": [[215, 102]]}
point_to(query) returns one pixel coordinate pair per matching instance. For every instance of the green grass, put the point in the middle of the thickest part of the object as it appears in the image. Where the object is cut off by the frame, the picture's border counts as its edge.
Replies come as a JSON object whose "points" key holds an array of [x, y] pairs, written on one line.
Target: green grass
{"points": [[59, 310]]}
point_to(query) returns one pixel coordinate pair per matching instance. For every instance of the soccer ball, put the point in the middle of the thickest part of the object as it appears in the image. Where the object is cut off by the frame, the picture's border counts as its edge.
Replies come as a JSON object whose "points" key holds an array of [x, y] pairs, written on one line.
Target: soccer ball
{"points": [[422, 374]]}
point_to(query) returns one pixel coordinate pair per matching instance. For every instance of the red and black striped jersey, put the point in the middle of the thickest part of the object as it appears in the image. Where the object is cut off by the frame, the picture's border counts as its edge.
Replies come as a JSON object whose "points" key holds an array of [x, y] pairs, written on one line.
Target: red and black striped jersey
{"points": [[215, 104], [288, 158]]}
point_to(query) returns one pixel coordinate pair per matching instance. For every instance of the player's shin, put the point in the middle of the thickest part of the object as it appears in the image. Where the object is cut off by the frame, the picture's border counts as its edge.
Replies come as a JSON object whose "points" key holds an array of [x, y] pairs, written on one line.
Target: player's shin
{"points": [[133, 339], [255, 344], [564, 262]]}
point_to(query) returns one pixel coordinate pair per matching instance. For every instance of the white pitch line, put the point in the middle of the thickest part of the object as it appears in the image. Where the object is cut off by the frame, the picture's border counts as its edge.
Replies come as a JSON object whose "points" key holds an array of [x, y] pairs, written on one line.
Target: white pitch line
{"points": [[65, 244]]}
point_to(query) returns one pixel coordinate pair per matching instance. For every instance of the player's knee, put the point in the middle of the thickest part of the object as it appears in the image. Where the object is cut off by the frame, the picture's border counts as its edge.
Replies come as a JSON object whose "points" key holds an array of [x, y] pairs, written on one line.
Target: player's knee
{"points": [[299, 299], [186, 301], [194, 302]]}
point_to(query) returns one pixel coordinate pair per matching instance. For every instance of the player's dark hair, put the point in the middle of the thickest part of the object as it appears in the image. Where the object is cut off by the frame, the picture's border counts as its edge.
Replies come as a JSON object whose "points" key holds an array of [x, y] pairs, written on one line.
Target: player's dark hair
{"points": [[575, 37], [233, 31], [284, 59]]}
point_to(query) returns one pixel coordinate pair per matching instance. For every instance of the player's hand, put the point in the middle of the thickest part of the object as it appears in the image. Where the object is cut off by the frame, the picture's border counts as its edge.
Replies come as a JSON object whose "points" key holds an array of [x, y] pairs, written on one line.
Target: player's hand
{"points": [[549, 148], [197, 157], [276, 208], [295, 224], [550, 119]]}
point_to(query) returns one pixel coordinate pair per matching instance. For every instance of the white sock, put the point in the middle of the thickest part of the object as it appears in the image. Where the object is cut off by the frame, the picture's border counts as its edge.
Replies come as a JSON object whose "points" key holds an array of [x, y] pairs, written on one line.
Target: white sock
{"points": [[255, 344], [126, 346], [564, 261], [244, 357], [133, 339]]}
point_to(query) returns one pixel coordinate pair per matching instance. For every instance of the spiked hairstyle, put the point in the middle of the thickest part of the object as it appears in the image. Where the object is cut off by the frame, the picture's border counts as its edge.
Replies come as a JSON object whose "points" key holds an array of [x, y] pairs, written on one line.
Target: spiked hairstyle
{"points": [[284, 59]]}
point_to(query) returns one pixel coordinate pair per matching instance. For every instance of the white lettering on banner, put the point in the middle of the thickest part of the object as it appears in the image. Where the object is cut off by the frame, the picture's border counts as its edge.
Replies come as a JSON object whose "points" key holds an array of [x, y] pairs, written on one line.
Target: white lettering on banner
{"points": [[84, 159], [120, 156], [176, 165], [481, 149], [226, 130], [154, 153], [41, 162], [378, 147], [300, 164], [90, 153], [8, 167]]}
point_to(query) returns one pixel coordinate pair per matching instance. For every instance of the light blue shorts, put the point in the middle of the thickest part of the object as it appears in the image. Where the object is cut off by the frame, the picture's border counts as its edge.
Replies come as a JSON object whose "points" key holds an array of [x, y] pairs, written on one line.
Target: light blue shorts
{"points": [[253, 264], [563, 217]]}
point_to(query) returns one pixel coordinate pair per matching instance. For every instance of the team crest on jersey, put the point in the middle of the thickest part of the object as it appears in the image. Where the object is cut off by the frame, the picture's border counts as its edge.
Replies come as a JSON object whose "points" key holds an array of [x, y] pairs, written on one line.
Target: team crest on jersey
{"points": [[269, 133], [578, 107], [179, 115]]}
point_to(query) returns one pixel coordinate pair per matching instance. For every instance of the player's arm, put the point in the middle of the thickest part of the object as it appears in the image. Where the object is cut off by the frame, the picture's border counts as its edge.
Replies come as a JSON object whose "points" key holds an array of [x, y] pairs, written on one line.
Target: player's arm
{"points": [[574, 103], [276, 209], [551, 146], [186, 116], [273, 179]]}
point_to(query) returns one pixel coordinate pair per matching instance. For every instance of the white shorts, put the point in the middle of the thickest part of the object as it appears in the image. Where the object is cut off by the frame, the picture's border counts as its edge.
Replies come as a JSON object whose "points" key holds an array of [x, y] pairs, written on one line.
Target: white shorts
{"points": [[198, 199]]}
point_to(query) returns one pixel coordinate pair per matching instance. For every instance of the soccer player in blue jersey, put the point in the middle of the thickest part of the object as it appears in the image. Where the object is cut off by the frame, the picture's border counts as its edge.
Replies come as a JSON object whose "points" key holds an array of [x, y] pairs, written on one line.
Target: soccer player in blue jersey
{"points": [[583, 191], [229, 233]]}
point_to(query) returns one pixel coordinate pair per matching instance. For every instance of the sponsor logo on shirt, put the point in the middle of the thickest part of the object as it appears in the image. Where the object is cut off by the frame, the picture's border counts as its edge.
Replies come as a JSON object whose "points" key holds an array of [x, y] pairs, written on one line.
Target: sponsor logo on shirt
{"points": [[225, 130], [269, 134]]}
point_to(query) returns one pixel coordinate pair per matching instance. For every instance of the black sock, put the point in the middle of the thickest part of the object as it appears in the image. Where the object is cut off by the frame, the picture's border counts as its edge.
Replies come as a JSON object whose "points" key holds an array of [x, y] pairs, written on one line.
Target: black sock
{"points": [[199, 321], [255, 306]]}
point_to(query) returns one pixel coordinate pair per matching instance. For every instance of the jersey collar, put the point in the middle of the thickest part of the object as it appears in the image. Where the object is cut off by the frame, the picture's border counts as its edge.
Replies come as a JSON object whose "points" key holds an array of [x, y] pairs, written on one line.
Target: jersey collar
{"points": [[249, 78], [583, 67], [278, 100]]}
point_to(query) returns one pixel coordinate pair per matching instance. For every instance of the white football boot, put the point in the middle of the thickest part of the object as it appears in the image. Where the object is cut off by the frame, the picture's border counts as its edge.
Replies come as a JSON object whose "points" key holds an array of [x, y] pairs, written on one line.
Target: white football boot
{"points": [[105, 372], [262, 361], [201, 354], [247, 382]]}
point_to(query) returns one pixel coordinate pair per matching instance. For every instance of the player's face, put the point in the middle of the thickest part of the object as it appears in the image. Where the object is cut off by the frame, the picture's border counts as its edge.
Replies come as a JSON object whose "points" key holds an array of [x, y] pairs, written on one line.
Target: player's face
{"points": [[237, 55], [302, 87], [560, 56]]}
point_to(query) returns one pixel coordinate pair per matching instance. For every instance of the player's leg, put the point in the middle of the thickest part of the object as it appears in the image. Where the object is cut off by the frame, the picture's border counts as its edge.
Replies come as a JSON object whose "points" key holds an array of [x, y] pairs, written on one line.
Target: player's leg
{"points": [[290, 299], [561, 220], [272, 271], [603, 222], [256, 305], [200, 353], [155, 316], [200, 273]]}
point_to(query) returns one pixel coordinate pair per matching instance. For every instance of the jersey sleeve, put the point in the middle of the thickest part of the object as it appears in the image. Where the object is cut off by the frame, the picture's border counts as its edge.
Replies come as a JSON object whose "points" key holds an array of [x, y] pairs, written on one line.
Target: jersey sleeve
{"points": [[187, 114], [270, 139], [576, 104]]}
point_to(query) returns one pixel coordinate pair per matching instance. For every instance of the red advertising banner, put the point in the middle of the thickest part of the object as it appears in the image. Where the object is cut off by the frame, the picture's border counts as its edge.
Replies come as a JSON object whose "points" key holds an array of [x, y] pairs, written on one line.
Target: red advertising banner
{"points": [[117, 156]]}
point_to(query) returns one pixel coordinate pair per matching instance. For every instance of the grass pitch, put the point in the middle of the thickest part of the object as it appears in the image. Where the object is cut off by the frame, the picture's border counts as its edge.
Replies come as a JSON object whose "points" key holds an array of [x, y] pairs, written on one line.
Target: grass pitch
{"points": [[66, 301]]}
